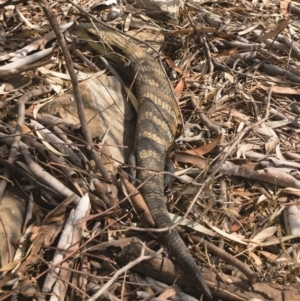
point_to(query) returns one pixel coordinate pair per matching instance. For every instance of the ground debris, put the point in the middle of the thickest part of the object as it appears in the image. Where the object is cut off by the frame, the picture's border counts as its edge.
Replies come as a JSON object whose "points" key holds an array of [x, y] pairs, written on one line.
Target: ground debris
{"points": [[236, 185]]}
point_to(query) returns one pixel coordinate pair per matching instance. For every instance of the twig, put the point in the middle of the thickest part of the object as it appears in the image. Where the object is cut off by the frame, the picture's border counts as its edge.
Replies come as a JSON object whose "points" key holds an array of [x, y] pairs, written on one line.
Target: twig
{"points": [[10, 72], [18, 131], [227, 258], [77, 95], [46, 178], [131, 264]]}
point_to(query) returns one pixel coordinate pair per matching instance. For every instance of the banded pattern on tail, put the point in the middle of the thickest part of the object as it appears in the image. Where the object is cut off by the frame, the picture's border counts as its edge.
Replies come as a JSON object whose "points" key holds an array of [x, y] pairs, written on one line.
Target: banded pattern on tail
{"points": [[155, 131]]}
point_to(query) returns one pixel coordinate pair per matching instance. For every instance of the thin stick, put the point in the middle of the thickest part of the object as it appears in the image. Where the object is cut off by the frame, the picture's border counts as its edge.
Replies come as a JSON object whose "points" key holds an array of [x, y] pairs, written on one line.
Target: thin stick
{"points": [[77, 95], [131, 264]]}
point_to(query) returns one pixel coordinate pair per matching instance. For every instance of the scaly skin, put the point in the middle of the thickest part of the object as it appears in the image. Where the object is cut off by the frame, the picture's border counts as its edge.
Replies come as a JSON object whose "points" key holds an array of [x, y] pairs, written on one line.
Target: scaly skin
{"points": [[155, 131]]}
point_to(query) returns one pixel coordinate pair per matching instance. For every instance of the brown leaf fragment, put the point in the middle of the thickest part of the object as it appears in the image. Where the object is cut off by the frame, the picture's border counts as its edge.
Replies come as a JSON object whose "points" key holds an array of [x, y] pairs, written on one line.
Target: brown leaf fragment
{"points": [[196, 160], [138, 203], [240, 222], [172, 65], [58, 214], [274, 33], [42, 236], [178, 89], [270, 256], [290, 191], [12, 208], [281, 89], [107, 192], [121, 242], [202, 150], [268, 175], [170, 292], [285, 8]]}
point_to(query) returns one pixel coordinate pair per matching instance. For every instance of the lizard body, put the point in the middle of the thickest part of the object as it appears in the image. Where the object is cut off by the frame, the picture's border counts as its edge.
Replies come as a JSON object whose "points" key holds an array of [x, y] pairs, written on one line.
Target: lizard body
{"points": [[155, 131]]}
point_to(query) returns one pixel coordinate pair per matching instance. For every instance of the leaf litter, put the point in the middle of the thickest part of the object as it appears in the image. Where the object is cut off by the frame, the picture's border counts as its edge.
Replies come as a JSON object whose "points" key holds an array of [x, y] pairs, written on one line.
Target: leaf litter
{"points": [[234, 69]]}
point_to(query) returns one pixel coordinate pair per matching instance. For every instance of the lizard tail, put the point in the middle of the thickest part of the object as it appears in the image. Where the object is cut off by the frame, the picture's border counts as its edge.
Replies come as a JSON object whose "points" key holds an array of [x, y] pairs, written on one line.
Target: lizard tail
{"points": [[151, 146]]}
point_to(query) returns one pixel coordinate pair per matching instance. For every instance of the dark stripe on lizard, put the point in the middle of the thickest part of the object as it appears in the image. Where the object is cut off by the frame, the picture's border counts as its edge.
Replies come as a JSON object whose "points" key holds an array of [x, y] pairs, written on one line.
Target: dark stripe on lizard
{"points": [[155, 131]]}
